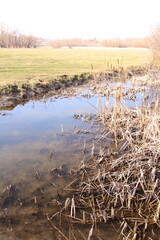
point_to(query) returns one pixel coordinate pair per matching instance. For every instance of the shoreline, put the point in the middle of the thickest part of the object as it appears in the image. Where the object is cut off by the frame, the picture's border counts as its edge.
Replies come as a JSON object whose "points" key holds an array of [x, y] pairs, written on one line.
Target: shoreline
{"points": [[12, 94]]}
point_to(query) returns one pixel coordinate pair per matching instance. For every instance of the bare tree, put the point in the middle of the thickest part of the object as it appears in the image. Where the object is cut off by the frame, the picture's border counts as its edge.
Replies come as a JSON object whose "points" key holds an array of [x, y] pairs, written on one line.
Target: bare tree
{"points": [[3, 36], [155, 42], [14, 39]]}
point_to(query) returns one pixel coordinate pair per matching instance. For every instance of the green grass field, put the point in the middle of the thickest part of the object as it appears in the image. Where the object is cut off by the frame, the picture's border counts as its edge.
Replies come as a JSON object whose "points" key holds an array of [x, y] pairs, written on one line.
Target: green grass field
{"points": [[31, 65]]}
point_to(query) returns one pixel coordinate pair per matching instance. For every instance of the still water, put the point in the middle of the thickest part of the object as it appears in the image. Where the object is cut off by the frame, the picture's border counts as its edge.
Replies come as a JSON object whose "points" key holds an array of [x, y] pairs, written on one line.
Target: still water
{"points": [[34, 138]]}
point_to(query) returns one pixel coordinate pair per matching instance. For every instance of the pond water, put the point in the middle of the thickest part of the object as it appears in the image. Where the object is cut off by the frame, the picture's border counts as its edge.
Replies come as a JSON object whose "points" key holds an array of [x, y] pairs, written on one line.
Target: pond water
{"points": [[34, 138], [31, 131]]}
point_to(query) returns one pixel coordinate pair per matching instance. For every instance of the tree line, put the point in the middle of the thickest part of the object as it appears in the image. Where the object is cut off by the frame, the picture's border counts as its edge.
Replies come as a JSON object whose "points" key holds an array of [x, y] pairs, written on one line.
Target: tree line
{"points": [[14, 39], [114, 42]]}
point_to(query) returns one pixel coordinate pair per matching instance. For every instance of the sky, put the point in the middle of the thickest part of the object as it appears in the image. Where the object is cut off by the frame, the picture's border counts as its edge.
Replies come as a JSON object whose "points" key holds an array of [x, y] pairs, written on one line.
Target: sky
{"points": [[86, 19]]}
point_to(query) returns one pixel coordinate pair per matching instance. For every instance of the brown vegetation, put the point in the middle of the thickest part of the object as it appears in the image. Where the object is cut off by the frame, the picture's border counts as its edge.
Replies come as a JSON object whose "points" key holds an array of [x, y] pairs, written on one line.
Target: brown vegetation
{"points": [[115, 42], [14, 39], [121, 182], [128, 42], [74, 42], [155, 43]]}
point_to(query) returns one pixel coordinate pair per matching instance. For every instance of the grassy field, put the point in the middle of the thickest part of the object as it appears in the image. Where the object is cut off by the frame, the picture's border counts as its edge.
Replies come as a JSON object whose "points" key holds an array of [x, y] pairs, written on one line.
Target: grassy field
{"points": [[31, 65]]}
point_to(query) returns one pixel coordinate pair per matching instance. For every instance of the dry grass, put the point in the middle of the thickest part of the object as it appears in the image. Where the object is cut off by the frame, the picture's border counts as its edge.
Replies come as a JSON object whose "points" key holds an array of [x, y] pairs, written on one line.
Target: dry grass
{"points": [[152, 79], [122, 181]]}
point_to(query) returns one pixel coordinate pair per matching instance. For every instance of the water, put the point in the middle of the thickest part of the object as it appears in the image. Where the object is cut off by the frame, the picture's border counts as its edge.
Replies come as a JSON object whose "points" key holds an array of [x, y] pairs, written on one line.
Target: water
{"points": [[30, 131], [34, 138], [35, 126]]}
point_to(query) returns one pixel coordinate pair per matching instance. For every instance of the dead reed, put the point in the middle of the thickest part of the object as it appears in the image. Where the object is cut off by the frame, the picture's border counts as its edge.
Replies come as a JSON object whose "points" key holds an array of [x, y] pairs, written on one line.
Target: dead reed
{"points": [[151, 79], [122, 181]]}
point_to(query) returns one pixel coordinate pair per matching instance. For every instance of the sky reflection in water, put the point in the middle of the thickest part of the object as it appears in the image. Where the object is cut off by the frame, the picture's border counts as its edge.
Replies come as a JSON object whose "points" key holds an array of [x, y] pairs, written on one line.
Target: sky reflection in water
{"points": [[34, 126]]}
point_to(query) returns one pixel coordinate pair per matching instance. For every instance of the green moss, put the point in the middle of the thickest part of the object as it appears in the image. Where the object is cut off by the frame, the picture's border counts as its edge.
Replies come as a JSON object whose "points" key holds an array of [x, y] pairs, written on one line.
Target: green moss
{"points": [[10, 89]]}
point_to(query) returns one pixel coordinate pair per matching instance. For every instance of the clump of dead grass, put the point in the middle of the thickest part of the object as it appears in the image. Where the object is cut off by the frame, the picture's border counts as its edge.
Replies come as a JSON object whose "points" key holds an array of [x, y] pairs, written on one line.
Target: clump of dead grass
{"points": [[122, 181], [151, 79]]}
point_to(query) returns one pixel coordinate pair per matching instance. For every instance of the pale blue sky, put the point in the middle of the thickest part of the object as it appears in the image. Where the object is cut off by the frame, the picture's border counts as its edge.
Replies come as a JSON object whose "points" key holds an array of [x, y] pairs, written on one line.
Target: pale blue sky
{"points": [[81, 18]]}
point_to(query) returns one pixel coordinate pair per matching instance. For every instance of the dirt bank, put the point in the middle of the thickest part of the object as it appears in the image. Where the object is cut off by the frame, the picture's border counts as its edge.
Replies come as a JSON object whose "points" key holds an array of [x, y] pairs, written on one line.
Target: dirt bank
{"points": [[11, 95]]}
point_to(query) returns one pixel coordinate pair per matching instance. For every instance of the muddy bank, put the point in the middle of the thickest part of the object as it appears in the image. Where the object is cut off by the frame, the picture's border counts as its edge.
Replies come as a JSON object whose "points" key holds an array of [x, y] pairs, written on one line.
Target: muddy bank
{"points": [[11, 95]]}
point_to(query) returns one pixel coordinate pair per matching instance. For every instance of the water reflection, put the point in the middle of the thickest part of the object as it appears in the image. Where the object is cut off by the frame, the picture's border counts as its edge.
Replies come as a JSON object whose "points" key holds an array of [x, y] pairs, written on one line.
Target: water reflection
{"points": [[31, 132], [34, 126]]}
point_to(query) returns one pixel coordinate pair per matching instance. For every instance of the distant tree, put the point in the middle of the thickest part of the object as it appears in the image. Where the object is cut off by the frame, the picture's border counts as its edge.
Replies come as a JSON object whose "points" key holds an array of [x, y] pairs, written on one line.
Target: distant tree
{"points": [[155, 42], [29, 41], [3, 36], [128, 42], [14, 39], [74, 42]]}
